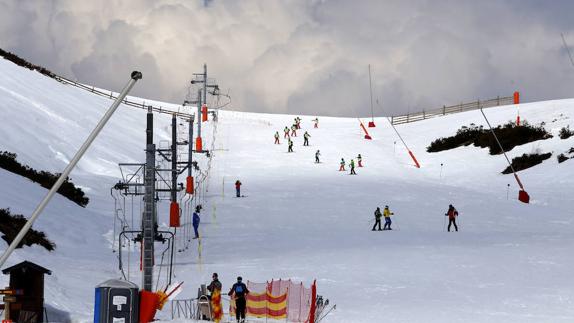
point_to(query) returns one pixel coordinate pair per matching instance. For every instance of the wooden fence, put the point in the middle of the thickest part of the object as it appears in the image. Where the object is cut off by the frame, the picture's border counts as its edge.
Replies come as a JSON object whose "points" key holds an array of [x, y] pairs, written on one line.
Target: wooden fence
{"points": [[418, 116], [113, 96]]}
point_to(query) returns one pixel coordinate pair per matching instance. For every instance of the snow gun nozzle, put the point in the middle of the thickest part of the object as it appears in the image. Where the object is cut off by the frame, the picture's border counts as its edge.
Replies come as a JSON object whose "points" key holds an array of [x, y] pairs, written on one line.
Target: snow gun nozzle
{"points": [[136, 75]]}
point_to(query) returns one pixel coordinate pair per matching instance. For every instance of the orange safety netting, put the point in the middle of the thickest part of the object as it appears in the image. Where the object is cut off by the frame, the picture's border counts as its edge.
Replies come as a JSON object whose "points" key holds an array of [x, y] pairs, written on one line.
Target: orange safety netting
{"points": [[280, 299]]}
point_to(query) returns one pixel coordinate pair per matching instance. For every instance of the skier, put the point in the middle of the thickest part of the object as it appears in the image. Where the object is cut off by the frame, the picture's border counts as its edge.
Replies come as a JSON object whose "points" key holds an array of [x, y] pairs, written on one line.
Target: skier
{"points": [[290, 146], [316, 120], [286, 132], [452, 213], [238, 292], [215, 297], [277, 137], [306, 136], [294, 130], [360, 160], [352, 165], [378, 216], [196, 220], [342, 167], [298, 122], [387, 214], [238, 188], [317, 154]]}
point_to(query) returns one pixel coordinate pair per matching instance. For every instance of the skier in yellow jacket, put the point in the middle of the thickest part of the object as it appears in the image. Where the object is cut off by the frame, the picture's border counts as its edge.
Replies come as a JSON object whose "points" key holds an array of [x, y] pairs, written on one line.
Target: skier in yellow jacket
{"points": [[387, 214]]}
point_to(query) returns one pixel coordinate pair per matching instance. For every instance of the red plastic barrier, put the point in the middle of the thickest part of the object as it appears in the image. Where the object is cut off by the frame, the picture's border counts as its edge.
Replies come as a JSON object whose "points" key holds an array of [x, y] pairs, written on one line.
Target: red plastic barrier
{"points": [[523, 196], [516, 97], [372, 124], [313, 302], [189, 188], [174, 215], [149, 303], [204, 113], [198, 144]]}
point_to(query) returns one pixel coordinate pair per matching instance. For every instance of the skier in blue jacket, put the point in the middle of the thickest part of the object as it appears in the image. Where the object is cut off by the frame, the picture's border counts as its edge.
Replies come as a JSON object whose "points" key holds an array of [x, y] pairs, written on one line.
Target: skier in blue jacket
{"points": [[196, 220]]}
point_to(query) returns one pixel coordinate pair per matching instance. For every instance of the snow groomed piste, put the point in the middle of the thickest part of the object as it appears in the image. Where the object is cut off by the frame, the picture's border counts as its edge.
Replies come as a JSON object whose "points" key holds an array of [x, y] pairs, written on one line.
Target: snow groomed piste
{"points": [[303, 220]]}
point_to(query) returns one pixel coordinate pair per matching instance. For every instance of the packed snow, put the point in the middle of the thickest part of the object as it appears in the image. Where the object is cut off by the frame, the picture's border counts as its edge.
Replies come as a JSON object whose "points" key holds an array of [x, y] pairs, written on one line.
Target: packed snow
{"points": [[509, 262]]}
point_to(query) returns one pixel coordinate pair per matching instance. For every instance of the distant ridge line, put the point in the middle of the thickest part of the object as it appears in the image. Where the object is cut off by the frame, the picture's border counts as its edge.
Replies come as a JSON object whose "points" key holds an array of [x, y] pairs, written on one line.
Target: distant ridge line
{"points": [[108, 94]]}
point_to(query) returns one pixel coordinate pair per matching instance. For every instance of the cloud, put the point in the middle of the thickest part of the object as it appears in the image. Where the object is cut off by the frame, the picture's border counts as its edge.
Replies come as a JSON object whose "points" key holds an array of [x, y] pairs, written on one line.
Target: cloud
{"points": [[301, 56]]}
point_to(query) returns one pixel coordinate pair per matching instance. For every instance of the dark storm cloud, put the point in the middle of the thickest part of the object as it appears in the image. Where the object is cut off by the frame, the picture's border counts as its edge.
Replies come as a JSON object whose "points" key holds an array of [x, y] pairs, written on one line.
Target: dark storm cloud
{"points": [[304, 56]]}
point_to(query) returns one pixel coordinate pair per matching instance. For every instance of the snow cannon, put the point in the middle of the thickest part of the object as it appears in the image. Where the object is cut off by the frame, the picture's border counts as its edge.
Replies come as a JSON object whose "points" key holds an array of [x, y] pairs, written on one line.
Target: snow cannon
{"points": [[174, 215], [204, 113], [198, 144], [372, 124], [189, 187], [523, 196]]}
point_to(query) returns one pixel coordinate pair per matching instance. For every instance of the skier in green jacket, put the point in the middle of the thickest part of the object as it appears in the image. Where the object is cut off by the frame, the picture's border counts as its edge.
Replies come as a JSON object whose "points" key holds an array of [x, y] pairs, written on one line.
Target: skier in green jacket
{"points": [[306, 136], [352, 165]]}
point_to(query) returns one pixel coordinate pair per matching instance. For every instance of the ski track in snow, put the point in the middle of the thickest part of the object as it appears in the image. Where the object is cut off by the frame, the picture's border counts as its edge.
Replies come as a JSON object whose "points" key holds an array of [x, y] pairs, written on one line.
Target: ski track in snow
{"points": [[510, 262]]}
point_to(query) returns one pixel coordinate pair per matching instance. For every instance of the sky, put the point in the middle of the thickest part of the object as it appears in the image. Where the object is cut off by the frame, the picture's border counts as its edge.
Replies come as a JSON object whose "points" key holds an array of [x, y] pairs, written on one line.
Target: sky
{"points": [[304, 56]]}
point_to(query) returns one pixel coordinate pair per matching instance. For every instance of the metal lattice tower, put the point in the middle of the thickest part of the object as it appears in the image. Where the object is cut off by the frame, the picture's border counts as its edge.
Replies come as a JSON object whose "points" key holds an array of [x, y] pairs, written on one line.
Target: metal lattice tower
{"points": [[148, 217]]}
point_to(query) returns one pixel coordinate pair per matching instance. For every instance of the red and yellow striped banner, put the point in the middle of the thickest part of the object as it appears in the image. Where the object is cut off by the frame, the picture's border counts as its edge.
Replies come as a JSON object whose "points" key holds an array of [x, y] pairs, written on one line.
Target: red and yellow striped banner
{"points": [[265, 305]]}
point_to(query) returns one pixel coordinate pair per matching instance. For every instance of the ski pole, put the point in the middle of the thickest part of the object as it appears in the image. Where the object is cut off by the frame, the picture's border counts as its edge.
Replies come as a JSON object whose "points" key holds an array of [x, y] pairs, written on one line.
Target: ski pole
{"points": [[135, 76]]}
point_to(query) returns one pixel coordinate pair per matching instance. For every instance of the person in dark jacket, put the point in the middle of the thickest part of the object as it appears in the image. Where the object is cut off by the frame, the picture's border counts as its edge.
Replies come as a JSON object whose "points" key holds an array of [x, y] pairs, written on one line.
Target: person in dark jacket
{"points": [[238, 292], [378, 216], [238, 188], [289, 145], [452, 214], [196, 221], [215, 284], [317, 154]]}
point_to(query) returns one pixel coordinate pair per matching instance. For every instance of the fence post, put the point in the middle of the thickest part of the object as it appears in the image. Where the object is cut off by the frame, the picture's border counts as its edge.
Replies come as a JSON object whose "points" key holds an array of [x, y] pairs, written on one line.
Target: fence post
{"points": [[478, 104], [461, 107], [498, 100], [444, 110], [424, 115], [407, 117]]}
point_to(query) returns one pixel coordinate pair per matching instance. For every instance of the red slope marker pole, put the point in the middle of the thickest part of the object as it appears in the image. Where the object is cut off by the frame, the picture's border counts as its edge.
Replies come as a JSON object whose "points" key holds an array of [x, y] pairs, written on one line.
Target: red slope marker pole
{"points": [[522, 194], [401, 138], [367, 136]]}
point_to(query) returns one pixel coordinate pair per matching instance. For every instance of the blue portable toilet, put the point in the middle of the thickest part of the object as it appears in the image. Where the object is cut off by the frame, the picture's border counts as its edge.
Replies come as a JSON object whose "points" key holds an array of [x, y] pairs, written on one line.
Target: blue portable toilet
{"points": [[116, 300]]}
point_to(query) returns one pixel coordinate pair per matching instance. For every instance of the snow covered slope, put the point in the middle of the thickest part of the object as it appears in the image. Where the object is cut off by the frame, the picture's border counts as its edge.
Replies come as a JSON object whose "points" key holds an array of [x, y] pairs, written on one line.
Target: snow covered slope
{"points": [[510, 262]]}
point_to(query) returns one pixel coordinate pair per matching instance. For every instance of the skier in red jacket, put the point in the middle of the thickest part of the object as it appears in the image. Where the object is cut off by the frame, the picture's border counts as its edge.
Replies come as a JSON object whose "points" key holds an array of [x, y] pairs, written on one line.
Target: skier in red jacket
{"points": [[238, 188], [452, 213]]}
